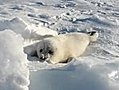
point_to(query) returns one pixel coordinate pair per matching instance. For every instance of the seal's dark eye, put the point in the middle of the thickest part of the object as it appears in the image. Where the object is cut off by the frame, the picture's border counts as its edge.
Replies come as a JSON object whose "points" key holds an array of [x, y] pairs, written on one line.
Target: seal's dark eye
{"points": [[50, 52], [41, 50]]}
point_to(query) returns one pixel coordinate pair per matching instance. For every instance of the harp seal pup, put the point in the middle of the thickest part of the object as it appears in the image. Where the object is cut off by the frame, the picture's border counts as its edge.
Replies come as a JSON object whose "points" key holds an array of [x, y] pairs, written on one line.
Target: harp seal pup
{"points": [[64, 47]]}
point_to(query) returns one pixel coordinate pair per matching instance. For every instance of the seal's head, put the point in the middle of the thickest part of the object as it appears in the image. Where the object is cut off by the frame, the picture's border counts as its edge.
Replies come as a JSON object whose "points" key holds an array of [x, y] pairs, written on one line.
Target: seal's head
{"points": [[45, 51]]}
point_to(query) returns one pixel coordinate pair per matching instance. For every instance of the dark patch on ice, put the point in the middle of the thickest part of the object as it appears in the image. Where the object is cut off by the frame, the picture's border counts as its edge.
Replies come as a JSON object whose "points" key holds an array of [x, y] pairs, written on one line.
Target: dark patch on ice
{"points": [[40, 3], [67, 30], [101, 4], [102, 12], [16, 8], [45, 22], [66, 4], [107, 8], [115, 14], [70, 4], [32, 15], [43, 16], [4, 13]]}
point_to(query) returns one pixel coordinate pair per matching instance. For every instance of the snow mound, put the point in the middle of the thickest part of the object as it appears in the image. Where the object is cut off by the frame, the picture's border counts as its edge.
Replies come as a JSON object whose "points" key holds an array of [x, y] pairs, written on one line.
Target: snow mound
{"points": [[27, 31], [14, 74]]}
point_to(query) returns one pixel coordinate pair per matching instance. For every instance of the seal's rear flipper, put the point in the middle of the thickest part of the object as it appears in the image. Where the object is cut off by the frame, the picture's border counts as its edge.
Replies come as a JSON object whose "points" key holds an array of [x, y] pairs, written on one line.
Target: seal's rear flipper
{"points": [[93, 35]]}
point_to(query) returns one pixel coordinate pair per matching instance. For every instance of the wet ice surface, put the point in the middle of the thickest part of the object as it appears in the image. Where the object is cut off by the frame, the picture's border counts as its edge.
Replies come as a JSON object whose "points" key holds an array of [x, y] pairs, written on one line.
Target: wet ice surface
{"points": [[78, 79], [97, 69]]}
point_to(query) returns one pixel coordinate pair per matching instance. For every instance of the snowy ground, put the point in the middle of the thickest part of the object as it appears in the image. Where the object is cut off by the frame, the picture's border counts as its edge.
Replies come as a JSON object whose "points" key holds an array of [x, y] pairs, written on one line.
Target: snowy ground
{"points": [[25, 22]]}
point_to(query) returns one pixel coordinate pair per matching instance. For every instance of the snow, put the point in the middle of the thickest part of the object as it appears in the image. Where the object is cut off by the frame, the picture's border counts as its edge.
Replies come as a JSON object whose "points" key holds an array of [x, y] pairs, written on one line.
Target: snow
{"points": [[27, 31], [14, 74], [25, 23]]}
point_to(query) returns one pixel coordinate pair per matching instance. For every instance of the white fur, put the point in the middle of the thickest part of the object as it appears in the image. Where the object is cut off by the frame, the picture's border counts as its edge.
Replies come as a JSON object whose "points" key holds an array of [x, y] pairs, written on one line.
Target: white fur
{"points": [[67, 45]]}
